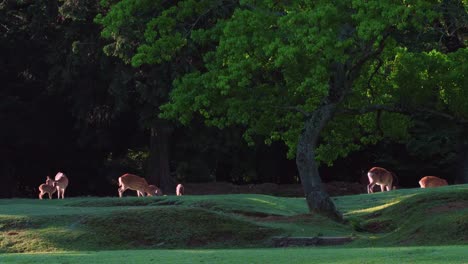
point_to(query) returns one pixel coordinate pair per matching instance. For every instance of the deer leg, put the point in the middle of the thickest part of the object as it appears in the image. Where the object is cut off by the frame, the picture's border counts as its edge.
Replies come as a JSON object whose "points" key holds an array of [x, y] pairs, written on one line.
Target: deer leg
{"points": [[370, 187], [40, 195], [121, 190], [382, 188]]}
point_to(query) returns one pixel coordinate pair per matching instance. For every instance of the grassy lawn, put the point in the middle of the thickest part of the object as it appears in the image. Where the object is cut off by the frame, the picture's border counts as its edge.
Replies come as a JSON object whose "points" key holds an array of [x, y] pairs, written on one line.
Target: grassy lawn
{"points": [[402, 226], [447, 254]]}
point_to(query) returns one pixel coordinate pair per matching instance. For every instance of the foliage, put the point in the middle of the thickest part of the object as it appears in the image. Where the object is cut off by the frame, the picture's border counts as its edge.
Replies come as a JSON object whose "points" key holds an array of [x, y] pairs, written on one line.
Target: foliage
{"points": [[249, 67], [273, 62]]}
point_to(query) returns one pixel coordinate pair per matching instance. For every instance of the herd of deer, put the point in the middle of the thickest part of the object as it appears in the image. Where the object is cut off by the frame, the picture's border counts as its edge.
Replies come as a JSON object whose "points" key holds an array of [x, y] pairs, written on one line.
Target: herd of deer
{"points": [[126, 181], [376, 175]]}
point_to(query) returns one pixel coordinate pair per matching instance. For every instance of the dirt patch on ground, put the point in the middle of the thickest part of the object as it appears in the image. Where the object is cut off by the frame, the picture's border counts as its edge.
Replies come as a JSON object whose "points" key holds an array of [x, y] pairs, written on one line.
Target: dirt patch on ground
{"points": [[448, 207], [263, 217], [287, 190], [287, 219], [377, 226]]}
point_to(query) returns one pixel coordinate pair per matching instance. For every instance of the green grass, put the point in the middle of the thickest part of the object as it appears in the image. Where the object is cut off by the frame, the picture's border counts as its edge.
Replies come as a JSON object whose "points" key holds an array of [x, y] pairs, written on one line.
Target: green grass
{"points": [[397, 255], [203, 227]]}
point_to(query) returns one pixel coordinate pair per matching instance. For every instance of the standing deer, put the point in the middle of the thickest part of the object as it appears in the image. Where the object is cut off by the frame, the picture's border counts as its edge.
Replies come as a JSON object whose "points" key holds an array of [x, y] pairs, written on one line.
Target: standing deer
{"points": [[380, 176], [136, 183], [61, 182], [179, 190], [48, 187], [432, 181]]}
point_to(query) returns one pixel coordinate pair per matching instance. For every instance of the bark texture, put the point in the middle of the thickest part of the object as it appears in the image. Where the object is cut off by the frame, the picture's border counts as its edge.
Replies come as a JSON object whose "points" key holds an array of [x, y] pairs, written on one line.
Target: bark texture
{"points": [[158, 165]]}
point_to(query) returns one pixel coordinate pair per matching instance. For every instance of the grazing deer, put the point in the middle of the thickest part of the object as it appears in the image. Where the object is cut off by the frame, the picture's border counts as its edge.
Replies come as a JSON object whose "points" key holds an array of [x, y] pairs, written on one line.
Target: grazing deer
{"points": [[48, 187], [134, 182], [380, 176], [154, 190], [180, 190], [432, 181], [61, 182]]}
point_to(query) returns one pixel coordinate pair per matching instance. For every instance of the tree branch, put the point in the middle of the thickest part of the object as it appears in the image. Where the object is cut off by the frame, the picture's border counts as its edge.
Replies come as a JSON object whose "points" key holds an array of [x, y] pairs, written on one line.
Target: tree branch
{"points": [[369, 85], [297, 109], [369, 53], [403, 110]]}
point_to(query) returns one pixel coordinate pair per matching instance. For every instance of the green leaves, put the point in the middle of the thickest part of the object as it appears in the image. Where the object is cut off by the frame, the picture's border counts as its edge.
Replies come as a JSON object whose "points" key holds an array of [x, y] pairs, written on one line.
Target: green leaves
{"points": [[263, 65]]}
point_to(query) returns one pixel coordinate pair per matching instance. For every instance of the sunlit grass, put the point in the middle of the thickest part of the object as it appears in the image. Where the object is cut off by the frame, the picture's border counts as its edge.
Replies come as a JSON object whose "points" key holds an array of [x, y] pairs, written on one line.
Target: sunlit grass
{"points": [[372, 209], [450, 254], [401, 217]]}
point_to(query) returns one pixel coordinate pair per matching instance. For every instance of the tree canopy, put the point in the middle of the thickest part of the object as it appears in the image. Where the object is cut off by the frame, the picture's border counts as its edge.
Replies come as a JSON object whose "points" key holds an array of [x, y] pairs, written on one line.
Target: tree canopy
{"points": [[325, 79], [294, 71]]}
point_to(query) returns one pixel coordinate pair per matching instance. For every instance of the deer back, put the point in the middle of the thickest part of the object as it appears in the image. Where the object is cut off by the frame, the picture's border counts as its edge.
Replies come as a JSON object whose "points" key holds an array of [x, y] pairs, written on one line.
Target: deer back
{"points": [[432, 181], [380, 176], [46, 188], [133, 182], [61, 180]]}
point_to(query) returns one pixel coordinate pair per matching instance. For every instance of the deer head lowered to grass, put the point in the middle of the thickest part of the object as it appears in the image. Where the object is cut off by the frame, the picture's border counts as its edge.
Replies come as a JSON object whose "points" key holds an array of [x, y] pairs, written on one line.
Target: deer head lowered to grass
{"points": [[154, 190], [137, 183], [432, 181], [382, 177]]}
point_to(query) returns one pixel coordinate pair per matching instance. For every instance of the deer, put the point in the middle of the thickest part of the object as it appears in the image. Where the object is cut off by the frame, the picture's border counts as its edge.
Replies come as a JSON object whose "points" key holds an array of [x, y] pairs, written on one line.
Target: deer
{"points": [[136, 183], [380, 176], [179, 190], [154, 190], [61, 183], [432, 181], [47, 187]]}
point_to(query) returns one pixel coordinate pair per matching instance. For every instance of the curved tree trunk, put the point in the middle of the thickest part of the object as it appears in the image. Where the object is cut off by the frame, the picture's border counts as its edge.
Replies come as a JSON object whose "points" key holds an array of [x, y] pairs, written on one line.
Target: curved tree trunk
{"points": [[158, 165], [317, 198]]}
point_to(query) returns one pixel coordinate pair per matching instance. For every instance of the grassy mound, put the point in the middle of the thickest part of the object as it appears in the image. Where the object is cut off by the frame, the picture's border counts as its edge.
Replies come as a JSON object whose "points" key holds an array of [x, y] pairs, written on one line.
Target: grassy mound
{"points": [[134, 228], [418, 217], [404, 217]]}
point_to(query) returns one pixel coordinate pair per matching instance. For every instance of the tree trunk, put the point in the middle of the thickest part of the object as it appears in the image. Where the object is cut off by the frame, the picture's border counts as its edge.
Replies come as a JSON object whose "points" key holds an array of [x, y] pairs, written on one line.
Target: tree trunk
{"points": [[158, 166], [317, 198], [462, 174]]}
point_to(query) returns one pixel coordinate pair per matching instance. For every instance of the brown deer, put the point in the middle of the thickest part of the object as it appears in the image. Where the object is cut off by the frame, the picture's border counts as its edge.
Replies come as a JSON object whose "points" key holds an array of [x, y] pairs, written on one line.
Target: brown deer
{"points": [[48, 187], [179, 190], [154, 190], [432, 181], [61, 182], [380, 176], [136, 183]]}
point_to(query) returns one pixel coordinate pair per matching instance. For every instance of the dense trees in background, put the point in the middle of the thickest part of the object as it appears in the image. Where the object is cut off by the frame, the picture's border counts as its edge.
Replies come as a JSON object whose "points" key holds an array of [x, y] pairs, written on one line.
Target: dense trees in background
{"points": [[223, 90]]}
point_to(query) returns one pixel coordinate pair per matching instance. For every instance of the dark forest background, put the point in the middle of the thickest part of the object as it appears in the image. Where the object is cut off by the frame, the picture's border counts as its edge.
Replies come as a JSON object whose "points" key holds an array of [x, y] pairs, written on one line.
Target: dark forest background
{"points": [[67, 106]]}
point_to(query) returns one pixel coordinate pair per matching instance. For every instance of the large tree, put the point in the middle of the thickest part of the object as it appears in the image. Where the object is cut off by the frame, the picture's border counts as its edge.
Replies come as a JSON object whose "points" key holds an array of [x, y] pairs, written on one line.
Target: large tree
{"points": [[156, 33], [305, 73]]}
